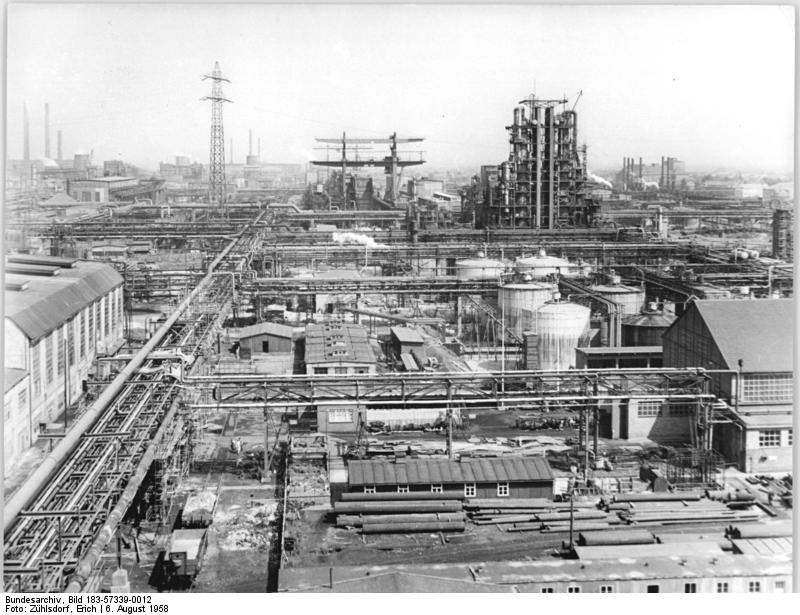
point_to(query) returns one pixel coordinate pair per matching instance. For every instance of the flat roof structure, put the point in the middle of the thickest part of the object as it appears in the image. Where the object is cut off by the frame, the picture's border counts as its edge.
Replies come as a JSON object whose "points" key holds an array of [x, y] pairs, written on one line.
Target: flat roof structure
{"points": [[521, 574]]}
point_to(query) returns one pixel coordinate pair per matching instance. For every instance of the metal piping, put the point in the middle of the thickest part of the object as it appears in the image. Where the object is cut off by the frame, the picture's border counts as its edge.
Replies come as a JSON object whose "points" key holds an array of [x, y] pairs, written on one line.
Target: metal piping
{"points": [[260, 405], [48, 466], [85, 566]]}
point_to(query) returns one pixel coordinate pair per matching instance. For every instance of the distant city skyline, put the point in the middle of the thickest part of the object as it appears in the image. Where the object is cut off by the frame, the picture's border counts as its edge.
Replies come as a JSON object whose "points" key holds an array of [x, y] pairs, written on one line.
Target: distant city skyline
{"points": [[126, 80]]}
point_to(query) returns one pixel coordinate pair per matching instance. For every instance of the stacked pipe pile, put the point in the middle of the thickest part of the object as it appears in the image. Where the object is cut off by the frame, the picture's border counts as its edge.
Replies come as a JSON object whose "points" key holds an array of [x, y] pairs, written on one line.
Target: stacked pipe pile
{"points": [[678, 508], [532, 514], [400, 513]]}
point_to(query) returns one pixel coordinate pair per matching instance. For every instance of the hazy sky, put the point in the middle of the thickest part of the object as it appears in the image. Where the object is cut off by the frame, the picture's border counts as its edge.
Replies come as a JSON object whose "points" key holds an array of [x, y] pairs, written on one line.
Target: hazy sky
{"points": [[710, 85]]}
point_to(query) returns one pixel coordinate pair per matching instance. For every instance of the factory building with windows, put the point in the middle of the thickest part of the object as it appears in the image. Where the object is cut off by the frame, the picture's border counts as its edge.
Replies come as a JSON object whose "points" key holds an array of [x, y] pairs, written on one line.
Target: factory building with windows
{"points": [[528, 477], [338, 349], [60, 315], [751, 344]]}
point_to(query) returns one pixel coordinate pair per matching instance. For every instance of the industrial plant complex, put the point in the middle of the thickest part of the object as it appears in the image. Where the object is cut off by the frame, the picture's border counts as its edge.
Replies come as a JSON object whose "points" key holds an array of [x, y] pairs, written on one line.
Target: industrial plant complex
{"points": [[363, 374]]}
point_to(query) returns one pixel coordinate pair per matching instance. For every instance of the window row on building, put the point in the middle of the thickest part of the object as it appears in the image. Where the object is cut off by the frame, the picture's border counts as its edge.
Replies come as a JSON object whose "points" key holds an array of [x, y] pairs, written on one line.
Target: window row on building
{"points": [[767, 388], [656, 408], [772, 438], [470, 489], [671, 586]]}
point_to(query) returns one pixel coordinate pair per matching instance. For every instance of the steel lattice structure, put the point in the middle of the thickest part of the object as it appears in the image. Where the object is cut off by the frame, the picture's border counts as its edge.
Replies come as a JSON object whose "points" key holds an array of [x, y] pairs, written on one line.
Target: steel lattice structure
{"points": [[216, 172]]}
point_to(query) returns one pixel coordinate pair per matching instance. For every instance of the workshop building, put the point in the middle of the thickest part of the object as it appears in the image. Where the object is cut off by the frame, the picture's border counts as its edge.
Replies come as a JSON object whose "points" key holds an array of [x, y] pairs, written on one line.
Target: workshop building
{"points": [[60, 314], [506, 477], [338, 349], [266, 337], [753, 341], [404, 340]]}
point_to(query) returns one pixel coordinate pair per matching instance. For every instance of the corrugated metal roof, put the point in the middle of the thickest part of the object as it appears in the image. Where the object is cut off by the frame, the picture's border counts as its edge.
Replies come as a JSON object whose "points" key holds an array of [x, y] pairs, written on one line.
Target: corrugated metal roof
{"points": [[758, 331], [444, 471], [49, 302], [763, 546], [337, 343]]}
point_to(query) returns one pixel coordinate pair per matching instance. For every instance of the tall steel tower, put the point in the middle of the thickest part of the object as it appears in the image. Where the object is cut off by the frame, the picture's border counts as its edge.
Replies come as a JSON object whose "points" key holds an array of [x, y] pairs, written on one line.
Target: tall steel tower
{"points": [[216, 174]]}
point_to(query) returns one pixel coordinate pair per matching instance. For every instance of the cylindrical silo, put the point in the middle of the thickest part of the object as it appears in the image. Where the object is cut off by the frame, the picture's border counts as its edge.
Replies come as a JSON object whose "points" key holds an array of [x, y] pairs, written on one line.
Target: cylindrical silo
{"points": [[542, 265], [629, 298], [559, 329], [646, 329], [479, 269], [516, 303]]}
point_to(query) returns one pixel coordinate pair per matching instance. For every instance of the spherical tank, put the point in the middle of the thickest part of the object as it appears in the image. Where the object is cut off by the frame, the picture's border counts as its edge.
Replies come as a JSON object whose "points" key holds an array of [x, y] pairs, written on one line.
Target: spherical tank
{"points": [[479, 269], [516, 303], [645, 329], [629, 298], [559, 328]]}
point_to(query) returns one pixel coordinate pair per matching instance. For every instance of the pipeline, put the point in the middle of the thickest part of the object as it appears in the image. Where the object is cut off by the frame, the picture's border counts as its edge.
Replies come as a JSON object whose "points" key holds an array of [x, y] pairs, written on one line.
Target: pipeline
{"points": [[106, 533], [54, 461], [359, 520], [396, 507], [403, 528], [656, 497], [615, 537]]}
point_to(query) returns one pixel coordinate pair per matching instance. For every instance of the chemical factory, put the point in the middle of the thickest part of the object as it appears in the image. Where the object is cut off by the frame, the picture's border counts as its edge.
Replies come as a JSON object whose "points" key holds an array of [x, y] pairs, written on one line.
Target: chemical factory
{"points": [[361, 374]]}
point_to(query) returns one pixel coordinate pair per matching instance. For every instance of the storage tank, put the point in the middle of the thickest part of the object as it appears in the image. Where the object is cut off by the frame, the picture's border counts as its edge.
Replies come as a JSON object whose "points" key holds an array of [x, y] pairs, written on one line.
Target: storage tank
{"points": [[557, 330], [629, 298], [516, 303], [479, 269], [647, 328], [542, 265]]}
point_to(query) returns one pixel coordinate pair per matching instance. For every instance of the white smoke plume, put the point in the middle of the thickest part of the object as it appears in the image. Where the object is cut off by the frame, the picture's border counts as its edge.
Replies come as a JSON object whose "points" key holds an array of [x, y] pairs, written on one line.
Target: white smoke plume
{"points": [[356, 238], [599, 180]]}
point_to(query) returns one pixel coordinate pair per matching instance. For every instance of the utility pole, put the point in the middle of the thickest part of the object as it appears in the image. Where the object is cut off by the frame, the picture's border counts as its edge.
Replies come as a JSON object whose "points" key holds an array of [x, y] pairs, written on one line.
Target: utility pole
{"points": [[216, 172]]}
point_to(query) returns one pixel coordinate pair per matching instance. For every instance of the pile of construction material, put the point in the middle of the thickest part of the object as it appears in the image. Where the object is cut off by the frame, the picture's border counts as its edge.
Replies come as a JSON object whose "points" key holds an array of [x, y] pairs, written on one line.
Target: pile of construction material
{"points": [[400, 513], [538, 514], [677, 508]]}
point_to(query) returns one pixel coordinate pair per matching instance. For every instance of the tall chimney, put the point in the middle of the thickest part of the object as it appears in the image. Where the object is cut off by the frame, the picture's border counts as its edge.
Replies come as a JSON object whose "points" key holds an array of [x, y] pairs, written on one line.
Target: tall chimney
{"points": [[27, 135], [46, 130], [259, 148], [231, 162], [59, 147], [640, 167], [250, 147]]}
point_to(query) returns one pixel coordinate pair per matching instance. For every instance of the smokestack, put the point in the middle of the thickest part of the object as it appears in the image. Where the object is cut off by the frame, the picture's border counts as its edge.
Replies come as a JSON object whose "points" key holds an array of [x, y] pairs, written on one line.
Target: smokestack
{"points": [[27, 135], [59, 147], [250, 148], [259, 148], [231, 162], [46, 130], [640, 167]]}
